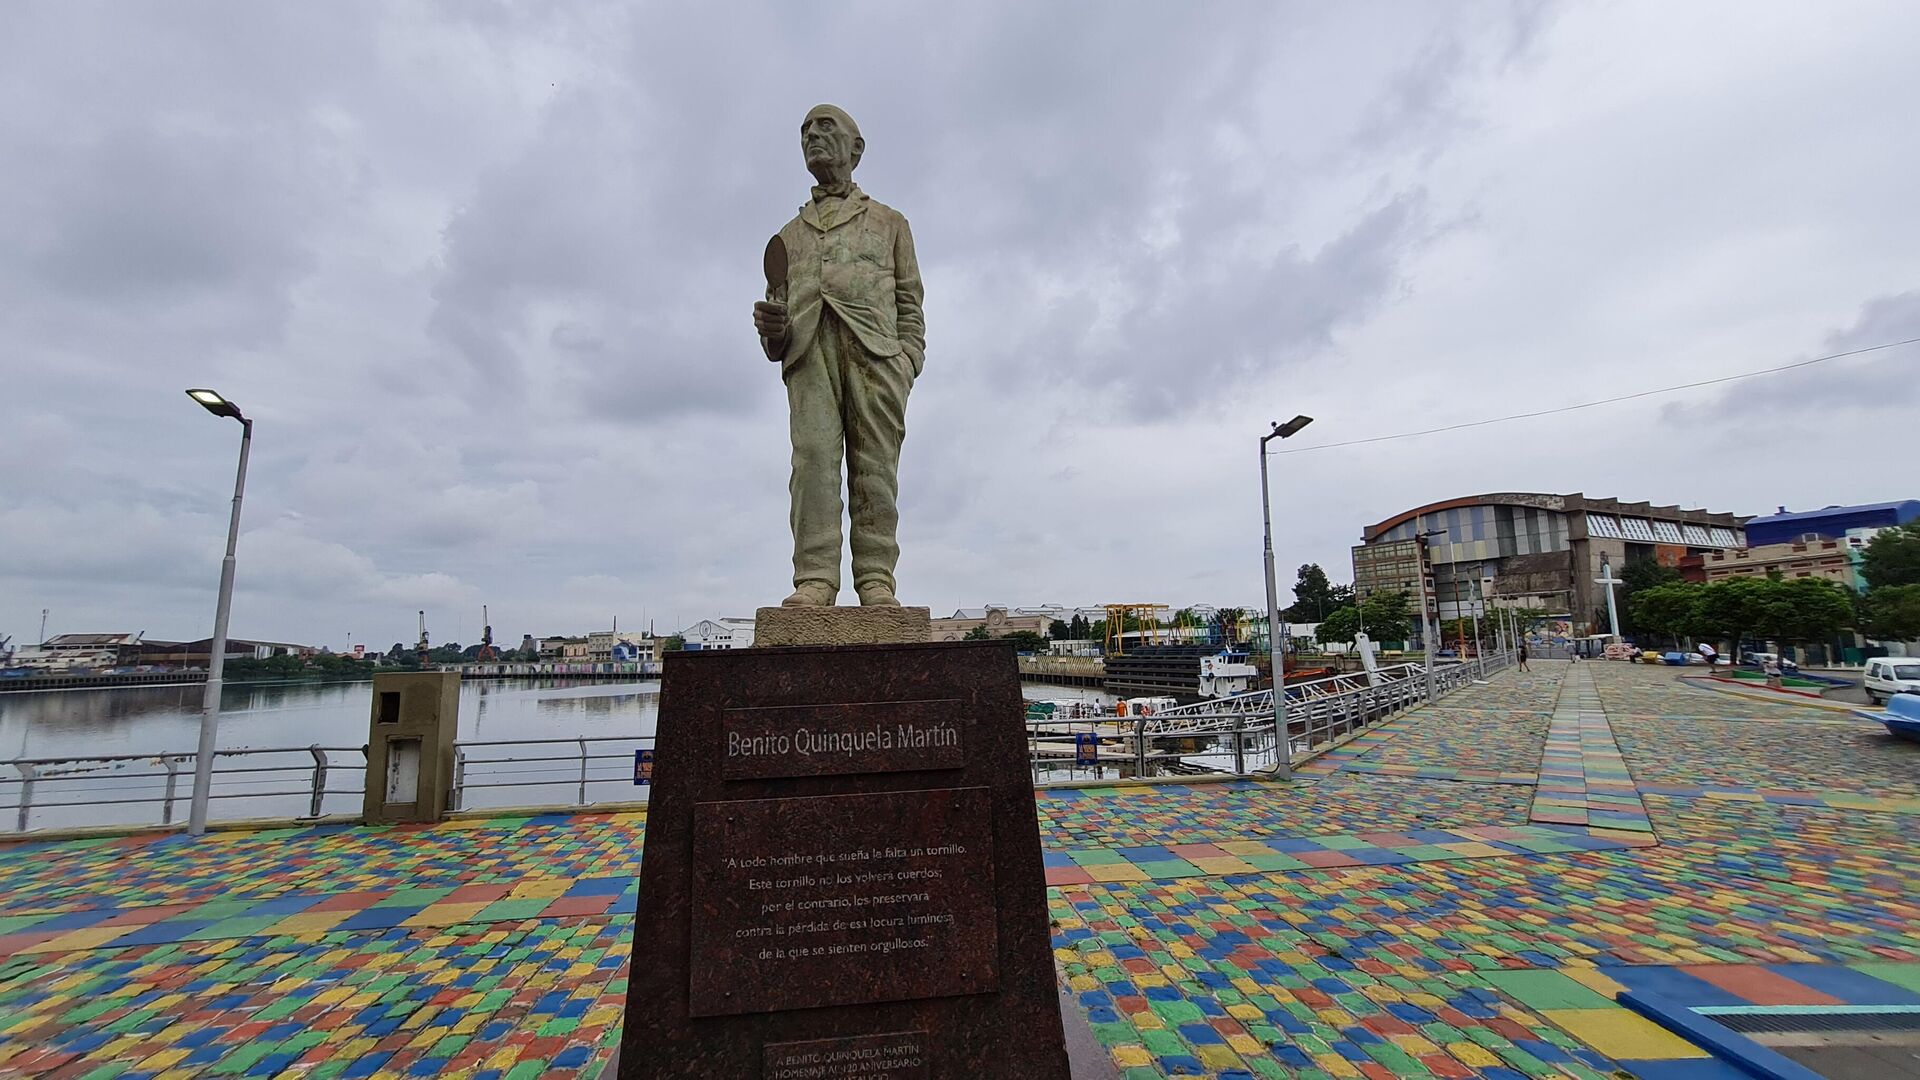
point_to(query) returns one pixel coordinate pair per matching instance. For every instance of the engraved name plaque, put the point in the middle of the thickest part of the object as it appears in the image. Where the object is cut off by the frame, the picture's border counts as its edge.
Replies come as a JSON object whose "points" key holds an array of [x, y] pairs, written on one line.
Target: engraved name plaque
{"points": [[900, 1055], [833, 740], [872, 897]]}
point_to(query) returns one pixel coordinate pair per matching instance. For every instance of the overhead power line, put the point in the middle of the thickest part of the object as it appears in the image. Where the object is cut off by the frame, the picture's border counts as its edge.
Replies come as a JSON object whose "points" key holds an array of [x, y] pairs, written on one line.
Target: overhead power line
{"points": [[1602, 401]]}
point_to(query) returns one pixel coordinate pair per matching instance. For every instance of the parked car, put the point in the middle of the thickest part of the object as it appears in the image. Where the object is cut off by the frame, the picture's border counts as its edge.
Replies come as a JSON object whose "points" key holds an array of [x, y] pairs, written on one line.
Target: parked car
{"points": [[1890, 675], [1759, 659]]}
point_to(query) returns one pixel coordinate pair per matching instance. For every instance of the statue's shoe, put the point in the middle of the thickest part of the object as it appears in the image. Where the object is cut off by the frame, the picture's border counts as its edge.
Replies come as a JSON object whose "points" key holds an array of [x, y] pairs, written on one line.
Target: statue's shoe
{"points": [[877, 595], [811, 594]]}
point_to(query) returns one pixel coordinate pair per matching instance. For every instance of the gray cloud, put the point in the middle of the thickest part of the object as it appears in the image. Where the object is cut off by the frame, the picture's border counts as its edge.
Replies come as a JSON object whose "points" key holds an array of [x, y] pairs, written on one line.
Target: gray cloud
{"points": [[482, 274]]}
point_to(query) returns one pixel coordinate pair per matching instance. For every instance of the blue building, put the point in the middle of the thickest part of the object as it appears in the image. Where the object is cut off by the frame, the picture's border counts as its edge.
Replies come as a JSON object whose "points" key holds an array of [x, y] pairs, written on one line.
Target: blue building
{"points": [[1830, 523]]}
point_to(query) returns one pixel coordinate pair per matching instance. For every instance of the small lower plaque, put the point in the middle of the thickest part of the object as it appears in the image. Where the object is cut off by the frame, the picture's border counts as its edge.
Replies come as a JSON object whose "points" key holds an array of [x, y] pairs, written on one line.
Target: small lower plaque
{"points": [[900, 1055], [842, 899]]}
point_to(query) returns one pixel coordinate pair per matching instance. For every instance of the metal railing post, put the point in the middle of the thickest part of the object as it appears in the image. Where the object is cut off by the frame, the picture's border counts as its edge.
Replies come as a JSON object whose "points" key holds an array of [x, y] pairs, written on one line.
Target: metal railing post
{"points": [[27, 774], [319, 780], [1140, 747], [459, 777], [582, 800], [1240, 744], [173, 778]]}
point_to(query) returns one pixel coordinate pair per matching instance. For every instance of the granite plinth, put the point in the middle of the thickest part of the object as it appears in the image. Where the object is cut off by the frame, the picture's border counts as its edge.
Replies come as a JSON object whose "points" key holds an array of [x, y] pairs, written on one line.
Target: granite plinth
{"points": [[773, 626], [842, 868]]}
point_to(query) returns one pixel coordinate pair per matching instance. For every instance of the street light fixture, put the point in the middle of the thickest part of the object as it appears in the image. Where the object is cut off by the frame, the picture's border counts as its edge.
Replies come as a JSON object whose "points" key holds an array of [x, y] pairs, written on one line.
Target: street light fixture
{"points": [[1274, 640], [214, 403]]}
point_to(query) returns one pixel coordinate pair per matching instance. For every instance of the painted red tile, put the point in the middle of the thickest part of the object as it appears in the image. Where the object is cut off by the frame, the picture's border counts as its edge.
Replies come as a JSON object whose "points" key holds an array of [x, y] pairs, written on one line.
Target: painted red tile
{"points": [[1067, 875], [1758, 985]]}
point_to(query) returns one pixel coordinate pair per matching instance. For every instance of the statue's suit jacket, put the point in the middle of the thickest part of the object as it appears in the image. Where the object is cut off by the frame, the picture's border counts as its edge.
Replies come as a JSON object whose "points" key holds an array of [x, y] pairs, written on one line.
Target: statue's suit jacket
{"points": [[863, 267]]}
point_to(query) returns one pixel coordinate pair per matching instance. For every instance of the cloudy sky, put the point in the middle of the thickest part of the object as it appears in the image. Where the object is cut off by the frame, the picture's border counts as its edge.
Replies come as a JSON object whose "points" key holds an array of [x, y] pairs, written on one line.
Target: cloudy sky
{"points": [[483, 275]]}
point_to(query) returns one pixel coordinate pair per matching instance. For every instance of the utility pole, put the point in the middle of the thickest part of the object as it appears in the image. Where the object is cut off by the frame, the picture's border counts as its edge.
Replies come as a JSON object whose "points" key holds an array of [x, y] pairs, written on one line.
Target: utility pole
{"points": [[43, 627]]}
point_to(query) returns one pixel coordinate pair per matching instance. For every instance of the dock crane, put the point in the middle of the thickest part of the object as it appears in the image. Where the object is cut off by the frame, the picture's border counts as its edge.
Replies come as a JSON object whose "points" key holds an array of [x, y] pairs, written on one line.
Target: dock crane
{"points": [[487, 651], [423, 650]]}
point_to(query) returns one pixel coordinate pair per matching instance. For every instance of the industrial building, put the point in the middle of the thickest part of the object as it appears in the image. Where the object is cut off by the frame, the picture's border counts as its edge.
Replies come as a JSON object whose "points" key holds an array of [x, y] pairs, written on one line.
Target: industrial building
{"points": [[1530, 550], [1823, 543]]}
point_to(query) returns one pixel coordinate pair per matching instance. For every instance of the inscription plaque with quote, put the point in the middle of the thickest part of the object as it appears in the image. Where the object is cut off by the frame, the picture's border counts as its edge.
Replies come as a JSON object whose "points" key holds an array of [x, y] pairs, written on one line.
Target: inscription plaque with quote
{"points": [[842, 872]]}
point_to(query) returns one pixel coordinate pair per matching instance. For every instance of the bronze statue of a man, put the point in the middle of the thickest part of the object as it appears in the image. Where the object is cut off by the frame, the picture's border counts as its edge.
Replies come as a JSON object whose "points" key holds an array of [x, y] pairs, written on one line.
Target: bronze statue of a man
{"points": [[845, 325]]}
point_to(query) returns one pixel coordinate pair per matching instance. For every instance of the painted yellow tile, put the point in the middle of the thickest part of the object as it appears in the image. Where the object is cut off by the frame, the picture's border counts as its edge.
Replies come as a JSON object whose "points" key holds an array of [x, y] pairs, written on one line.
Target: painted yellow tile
{"points": [[80, 939], [540, 888], [1215, 1056], [315, 922], [1222, 864], [1133, 1057], [1240, 1010], [1622, 1034], [1469, 1054], [1244, 847], [1116, 872], [1413, 1044], [1148, 1021], [164, 1059], [1473, 848], [1595, 981], [1245, 1044], [445, 915], [1335, 1065]]}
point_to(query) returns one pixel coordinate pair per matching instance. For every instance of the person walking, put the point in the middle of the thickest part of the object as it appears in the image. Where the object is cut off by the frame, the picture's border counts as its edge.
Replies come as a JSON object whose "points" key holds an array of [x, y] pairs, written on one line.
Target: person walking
{"points": [[1708, 653], [1523, 656]]}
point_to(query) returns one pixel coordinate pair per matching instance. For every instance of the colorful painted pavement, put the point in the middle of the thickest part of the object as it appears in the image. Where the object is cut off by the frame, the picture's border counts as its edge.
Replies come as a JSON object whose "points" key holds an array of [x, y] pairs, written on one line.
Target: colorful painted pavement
{"points": [[1199, 813], [1353, 923], [1583, 780]]}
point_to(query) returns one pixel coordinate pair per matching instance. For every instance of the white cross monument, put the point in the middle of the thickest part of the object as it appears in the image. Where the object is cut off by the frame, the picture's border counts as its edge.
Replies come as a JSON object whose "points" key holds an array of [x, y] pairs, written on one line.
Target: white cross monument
{"points": [[1613, 613]]}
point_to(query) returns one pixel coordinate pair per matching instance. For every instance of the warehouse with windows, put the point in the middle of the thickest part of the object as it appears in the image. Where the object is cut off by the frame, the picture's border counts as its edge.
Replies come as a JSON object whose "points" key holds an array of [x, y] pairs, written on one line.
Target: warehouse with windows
{"points": [[1529, 550]]}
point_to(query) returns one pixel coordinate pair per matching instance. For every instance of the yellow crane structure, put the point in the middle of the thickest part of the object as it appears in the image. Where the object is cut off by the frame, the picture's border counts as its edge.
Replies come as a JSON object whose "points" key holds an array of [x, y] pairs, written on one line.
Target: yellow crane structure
{"points": [[1117, 616]]}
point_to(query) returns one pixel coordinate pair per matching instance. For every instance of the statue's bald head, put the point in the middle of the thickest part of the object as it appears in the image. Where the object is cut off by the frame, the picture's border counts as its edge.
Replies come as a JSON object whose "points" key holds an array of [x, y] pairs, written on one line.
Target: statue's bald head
{"points": [[831, 142]]}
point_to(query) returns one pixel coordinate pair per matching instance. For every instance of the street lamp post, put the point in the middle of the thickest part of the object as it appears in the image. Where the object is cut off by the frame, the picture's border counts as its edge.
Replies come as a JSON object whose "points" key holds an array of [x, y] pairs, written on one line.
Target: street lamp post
{"points": [[217, 649], [1427, 621], [1274, 640]]}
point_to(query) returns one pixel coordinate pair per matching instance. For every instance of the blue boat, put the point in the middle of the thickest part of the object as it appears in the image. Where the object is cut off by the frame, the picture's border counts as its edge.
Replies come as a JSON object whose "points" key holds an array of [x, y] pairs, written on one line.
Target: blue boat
{"points": [[1901, 716]]}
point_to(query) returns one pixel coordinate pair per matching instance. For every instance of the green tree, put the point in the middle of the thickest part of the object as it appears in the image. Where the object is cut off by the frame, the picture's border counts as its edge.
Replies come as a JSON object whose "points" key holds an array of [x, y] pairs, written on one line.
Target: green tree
{"points": [[1230, 620], [1026, 641], [1312, 595], [1078, 628], [1389, 616], [1732, 608], [673, 643], [1669, 610], [1059, 630], [1805, 610], [1340, 626], [1892, 613], [1893, 557], [978, 633]]}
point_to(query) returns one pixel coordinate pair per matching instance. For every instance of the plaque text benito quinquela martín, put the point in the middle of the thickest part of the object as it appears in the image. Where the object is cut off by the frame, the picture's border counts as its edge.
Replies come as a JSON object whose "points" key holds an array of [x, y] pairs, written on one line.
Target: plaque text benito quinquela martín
{"points": [[807, 741]]}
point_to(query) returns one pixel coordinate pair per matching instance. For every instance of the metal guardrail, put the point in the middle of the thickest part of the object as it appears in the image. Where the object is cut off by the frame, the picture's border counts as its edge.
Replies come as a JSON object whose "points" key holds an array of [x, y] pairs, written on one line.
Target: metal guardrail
{"points": [[481, 772], [149, 779], [1233, 736]]}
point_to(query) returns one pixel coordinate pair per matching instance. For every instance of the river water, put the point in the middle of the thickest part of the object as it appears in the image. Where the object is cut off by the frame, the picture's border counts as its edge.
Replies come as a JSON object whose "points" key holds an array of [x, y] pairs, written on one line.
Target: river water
{"points": [[154, 720]]}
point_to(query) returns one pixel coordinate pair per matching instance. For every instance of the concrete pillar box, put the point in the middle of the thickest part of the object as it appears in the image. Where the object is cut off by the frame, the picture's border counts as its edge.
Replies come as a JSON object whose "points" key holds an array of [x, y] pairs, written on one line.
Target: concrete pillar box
{"points": [[410, 746]]}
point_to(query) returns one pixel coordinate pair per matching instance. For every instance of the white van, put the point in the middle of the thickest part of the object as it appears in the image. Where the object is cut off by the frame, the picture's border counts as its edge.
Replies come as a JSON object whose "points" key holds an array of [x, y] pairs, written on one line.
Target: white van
{"points": [[1890, 675]]}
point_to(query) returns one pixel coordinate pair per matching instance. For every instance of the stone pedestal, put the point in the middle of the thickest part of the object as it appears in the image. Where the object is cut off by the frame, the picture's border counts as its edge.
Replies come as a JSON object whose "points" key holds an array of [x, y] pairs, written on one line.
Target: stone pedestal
{"points": [[842, 877], [841, 626]]}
